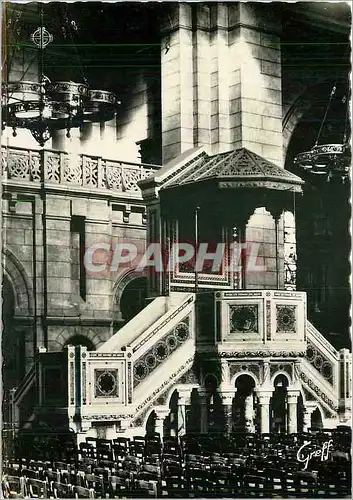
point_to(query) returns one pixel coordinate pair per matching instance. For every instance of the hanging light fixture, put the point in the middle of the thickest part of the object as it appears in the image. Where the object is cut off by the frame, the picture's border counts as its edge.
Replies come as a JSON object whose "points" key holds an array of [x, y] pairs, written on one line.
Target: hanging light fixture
{"points": [[330, 160], [44, 107]]}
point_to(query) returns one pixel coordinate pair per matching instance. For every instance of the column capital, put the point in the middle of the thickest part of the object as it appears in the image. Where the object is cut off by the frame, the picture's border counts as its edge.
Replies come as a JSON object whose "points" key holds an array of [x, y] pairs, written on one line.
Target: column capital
{"points": [[227, 397], [203, 396], [184, 399], [161, 412], [292, 396], [309, 409], [264, 397]]}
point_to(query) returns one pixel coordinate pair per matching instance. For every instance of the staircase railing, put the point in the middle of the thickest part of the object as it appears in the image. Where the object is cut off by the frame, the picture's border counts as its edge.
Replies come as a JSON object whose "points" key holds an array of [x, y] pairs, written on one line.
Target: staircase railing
{"points": [[26, 383], [319, 340], [139, 343]]}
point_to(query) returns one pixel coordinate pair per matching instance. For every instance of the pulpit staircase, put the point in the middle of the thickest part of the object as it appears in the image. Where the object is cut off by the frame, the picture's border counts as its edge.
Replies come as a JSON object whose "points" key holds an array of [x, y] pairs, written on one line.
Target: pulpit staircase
{"points": [[138, 368]]}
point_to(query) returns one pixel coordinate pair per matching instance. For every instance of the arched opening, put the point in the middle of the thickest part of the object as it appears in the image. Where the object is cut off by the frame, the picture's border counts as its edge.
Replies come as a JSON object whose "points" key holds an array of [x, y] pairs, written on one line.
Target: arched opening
{"points": [[316, 420], [80, 340], [151, 424], [243, 405], [13, 348], [300, 413], [172, 422], [193, 413], [278, 420], [322, 219], [133, 298]]}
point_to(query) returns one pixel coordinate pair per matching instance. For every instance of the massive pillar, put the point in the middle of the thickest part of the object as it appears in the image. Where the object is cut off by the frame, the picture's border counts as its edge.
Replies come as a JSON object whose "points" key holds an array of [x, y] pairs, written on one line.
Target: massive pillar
{"points": [[221, 89], [221, 80]]}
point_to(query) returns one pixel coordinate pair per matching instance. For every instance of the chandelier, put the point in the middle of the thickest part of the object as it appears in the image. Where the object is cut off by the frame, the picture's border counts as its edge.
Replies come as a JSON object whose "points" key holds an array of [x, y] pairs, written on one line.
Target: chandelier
{"points": [[44, 107], [331, 161]]}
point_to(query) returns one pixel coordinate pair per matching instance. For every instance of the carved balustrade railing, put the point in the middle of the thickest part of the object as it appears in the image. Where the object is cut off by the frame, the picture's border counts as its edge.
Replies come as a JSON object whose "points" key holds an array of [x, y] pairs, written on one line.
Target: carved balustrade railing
{"points": [[58, 167]]}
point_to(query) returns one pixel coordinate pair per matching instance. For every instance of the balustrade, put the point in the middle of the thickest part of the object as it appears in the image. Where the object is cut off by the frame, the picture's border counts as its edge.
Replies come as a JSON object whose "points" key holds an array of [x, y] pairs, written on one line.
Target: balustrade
{"points": [[59, 167]]}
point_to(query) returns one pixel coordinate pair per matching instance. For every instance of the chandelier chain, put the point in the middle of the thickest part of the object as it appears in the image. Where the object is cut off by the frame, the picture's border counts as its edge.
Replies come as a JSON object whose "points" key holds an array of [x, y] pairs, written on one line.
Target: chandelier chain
{"points": [[333, 91], [69, 26]]}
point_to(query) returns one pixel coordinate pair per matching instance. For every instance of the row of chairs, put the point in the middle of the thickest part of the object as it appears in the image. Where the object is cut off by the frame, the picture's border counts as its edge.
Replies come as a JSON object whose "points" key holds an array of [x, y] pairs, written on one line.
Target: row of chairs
{"points": [[176, 476], [188, 481], [193, 466]]}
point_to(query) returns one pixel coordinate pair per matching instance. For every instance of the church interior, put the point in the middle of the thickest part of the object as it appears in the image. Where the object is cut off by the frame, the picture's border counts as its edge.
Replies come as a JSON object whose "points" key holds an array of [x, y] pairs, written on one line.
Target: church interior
{"points": [[176, 250]]}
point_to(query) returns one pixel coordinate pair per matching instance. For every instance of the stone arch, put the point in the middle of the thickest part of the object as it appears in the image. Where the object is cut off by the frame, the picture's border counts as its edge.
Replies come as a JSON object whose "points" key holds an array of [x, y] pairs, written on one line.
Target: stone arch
{"points": [[318, 411], [208, 377], [250, 374], [301, 105], [121, 284], [148, 417], [21, 286], [281, 372], [80, 340], [63, 338], [170, 393]]}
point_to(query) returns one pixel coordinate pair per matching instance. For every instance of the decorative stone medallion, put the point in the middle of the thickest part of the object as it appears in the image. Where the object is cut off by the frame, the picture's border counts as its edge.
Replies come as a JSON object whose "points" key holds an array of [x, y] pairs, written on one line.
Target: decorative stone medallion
{"points": [[106, 383], [244, 319], [286, 320]]}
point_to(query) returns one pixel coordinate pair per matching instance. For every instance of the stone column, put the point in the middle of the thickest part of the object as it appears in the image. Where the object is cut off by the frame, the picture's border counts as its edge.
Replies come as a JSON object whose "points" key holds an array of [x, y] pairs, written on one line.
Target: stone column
{"points": [[184, 400], [203, 413], [264, 402], [177, 82], [255, 83], [292, 401], [249, 413], [345, 385], [227, 400], [221, 80], [307, 419], [161, 414]]}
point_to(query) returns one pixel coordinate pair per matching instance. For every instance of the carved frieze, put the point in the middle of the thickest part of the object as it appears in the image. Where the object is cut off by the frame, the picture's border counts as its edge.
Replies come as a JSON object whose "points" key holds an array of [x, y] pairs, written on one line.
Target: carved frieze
{"points": [[317, 359], [317, 391], [157, 354], [286, 318]]}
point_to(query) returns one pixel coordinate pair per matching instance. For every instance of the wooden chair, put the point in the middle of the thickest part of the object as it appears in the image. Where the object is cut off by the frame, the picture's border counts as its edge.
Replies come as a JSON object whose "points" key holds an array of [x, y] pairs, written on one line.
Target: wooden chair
{"points": [[145, 489], [275, 481], [95, 483], [14, 487], [131, 463], [253, 486], [81, 492], [118, 487], [37, 488], [305, 484], [61, 490]]}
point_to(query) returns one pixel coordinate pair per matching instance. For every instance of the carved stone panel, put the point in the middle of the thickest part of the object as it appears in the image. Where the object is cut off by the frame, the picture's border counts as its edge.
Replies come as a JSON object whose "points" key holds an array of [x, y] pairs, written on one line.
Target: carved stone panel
{"points": [[243, 319], [286, 318], [106, 383]]}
